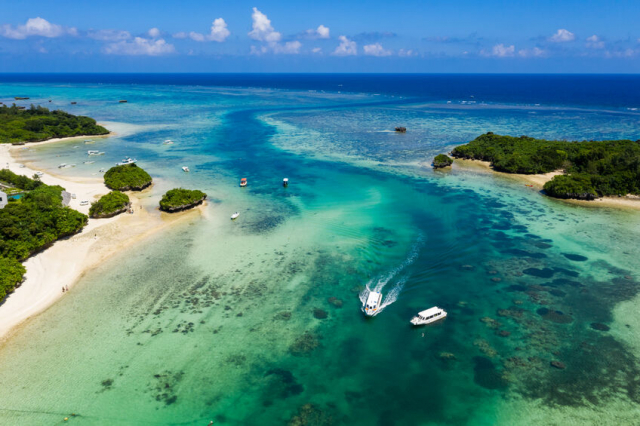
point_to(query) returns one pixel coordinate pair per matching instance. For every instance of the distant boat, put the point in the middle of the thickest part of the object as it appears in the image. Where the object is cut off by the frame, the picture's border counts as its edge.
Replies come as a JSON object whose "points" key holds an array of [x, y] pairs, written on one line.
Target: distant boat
{"points": [[94, 152], [101, 171], [127, 161], [372, 304], [39, 174], [89, 162], [243, 182], [185, 169], [285, 182], [401, 129], [73, 103], [167, 142], [62, 165], [122, 101], [88, 141], [235, 216], [428, 316]]}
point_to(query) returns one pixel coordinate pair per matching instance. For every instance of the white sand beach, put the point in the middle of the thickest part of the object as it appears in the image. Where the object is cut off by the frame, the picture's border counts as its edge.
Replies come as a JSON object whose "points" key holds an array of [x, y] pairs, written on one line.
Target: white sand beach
{"points": [[68, 259]]}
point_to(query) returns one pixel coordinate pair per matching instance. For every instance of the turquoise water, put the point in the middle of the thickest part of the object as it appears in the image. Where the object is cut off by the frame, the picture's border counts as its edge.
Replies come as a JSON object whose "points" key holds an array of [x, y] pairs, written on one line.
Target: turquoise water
{"points": [[258, 321]]}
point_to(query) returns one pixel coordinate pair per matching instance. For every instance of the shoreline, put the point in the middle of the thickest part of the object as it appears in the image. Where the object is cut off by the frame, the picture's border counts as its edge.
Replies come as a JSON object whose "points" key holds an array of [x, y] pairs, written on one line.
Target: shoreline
{"points": [[69, 259], [538, 181]]}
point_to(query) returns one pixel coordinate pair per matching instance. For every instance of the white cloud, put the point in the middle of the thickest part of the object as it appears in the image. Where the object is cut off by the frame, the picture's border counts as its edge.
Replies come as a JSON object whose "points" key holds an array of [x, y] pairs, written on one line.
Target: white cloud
{"points": [[562, 36], [317, 50], [109, 35], [346, 47], [406, 53], [219, 33], [594, 42], [140, 46], [627, 53], [376, 49], [289, 48], [154, 33], [536, 52], [36, 27], [320, 32], [262, 29], [501, 51]]}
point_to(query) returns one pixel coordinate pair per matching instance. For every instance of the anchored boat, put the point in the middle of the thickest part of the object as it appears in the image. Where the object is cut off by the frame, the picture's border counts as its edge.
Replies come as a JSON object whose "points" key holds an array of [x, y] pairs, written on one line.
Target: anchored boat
{"points": [[126, 161], [235, 215], [185, 169], [428, 316], [285, 182], [243, 182]]}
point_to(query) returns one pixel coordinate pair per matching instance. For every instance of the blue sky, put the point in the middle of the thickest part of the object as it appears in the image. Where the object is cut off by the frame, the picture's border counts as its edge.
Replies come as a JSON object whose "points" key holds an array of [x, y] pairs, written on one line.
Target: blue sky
{"points": [[320, 36]]}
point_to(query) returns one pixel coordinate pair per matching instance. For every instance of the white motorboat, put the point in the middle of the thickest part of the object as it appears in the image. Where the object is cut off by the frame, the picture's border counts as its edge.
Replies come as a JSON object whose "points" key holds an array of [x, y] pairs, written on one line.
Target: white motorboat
{"points": [[243, 182], [430, 315], [93, 152], [285, 182], [89, 162], [185, 169], [372, 304], [167, 142], [126, 161], [235, 215], [89, 141]]}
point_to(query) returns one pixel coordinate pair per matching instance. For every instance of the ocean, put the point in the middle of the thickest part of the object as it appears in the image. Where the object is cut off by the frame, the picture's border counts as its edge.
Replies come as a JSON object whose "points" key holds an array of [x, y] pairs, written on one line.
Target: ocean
{"points": [[258, 321]]}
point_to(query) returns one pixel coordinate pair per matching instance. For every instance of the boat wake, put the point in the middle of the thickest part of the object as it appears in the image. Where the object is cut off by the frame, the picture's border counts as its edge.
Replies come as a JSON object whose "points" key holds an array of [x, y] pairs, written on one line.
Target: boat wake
{"points": [[392, 295]]}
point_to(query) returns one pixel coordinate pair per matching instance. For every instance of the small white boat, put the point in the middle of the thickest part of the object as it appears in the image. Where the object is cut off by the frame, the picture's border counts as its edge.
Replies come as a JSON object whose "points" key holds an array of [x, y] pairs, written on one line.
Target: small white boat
{"points": [[39, 174], [89, 141], [285, 182], [93, 152], [372, 304], [167, 142], [84, 203], [430, 315], [126, 161], [89, 162], [235, 215], [185, 169], [243, 182]]}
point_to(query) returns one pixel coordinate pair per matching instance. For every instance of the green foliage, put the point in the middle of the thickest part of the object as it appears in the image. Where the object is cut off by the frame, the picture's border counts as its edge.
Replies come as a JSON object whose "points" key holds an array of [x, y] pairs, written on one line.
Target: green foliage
{"points": [[11, 272], [127, 177], [39, 123], [179, 198], [27, 227], [571, 186], [610, 167], [442, 160], [19, 181], [109, 204]]}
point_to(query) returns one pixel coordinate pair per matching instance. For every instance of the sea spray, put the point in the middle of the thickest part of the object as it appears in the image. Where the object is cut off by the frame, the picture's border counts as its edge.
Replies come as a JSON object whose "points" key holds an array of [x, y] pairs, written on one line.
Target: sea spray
{"points": [[382, 281]]}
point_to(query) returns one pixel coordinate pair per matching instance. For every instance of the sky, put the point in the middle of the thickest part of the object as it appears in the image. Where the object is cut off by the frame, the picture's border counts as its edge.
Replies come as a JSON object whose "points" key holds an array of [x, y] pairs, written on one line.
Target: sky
{"points": [[457, 36]]}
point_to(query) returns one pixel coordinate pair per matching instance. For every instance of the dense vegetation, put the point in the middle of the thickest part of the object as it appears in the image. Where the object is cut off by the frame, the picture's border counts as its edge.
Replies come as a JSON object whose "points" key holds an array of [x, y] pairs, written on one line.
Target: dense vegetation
{"points": [[31, 224], [109, 205], [127, 177], [18, 181], [39, 123], [442, 160], [11, 272], [181, 199], [591, 168]]}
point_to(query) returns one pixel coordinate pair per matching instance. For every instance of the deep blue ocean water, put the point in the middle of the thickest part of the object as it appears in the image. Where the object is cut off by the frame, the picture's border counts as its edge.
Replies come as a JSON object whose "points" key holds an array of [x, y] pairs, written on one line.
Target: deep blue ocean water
{"points": [[258, 321]]}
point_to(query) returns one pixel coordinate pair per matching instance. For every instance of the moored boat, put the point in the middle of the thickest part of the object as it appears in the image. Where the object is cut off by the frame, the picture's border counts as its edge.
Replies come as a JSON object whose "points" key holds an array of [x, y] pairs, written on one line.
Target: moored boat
{"points": [[126, 161], [185, 169], [243, 182], [428, 316], [235, 215], [372, 305], [285, 182]]}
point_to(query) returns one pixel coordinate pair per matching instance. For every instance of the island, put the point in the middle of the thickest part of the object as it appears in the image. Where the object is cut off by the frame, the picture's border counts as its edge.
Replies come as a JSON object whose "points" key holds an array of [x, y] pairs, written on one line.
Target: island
{"points": [[442, 160], [589, 169], [179, 199], [48, 220], [110, 205], [35, 124], [128, 177]]}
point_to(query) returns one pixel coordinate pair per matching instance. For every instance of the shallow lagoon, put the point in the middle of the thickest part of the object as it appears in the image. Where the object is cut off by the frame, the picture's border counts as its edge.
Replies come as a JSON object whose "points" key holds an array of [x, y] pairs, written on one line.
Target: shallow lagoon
{"points": [[258, 319]]}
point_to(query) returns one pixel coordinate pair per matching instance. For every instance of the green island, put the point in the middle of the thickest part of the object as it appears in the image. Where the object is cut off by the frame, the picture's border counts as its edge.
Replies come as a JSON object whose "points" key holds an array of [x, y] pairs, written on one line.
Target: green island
{"points": [[128, 177], [109, 205], [181, 199], [37, 124], [31, 224], [442, 160], [591, 169]]}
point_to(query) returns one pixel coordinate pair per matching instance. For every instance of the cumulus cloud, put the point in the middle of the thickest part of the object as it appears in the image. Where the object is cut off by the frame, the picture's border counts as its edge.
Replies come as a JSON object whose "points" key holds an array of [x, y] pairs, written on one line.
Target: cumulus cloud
{"points": [[154, 33], [626, 53], [219, 32], [346, 47], [317, 50], [320, 32], [406, 53], [36, 27], [109, 35], [262, 29], [140, 46], [536, 52], [562, 36], [500, 51], [289, 48], [594, 42], [376, 49]]}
